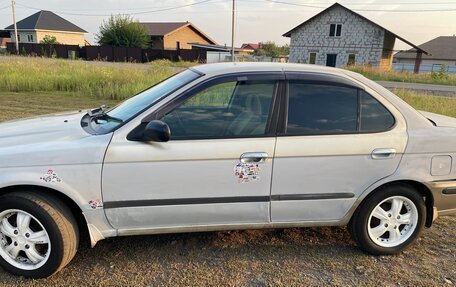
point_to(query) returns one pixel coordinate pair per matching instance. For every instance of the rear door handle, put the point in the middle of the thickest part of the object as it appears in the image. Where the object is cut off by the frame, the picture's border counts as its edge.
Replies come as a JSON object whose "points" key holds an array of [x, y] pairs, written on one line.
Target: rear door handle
{"points": [[383, 153], [254, 157]]}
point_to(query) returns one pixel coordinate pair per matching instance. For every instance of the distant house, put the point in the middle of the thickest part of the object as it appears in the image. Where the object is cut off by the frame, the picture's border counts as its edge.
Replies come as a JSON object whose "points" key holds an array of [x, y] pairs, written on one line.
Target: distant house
{"points": [[175, 35], [251, 46], [338, 36], [35, 27], [4, 38], [442, 50]]}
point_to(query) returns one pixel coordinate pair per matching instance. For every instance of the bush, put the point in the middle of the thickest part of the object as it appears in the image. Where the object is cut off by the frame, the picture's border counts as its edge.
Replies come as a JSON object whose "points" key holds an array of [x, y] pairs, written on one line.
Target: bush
{"points": [[49, 40], [123, 31], [442, 73]]}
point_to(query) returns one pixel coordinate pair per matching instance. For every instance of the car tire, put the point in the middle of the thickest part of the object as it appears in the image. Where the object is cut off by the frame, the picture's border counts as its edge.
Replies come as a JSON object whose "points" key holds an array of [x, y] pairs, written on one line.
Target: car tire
{"points": [[38, 234], [389, 220]]}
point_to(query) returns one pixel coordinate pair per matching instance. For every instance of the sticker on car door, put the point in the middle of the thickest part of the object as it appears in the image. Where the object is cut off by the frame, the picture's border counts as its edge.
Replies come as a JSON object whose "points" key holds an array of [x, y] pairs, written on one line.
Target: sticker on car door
{"points": [[247, 172]]}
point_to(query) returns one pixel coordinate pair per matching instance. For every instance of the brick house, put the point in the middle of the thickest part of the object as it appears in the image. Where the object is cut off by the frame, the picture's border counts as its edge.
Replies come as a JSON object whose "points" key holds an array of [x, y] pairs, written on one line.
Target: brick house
{"points": [[175, 35], [35, 27], [338, 36]]}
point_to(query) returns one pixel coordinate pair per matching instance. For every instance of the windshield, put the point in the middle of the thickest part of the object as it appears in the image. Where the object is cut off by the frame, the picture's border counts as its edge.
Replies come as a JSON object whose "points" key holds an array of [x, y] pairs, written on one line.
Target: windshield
{"points": [[137, 104]]}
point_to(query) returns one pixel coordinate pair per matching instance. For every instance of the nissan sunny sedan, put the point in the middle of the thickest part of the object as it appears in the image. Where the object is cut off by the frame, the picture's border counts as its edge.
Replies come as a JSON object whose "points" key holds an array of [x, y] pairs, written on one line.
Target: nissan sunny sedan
{"points": [[222, 147]]}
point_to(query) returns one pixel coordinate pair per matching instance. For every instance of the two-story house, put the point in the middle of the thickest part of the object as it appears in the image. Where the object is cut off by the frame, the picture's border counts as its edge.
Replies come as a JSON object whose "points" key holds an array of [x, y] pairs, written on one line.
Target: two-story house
{"points": [[338, 36]]}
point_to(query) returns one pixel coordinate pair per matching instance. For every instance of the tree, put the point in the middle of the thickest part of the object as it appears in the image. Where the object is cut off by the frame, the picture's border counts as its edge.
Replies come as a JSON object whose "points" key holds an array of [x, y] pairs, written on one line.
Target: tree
{"points": [[123, 31], [49, 40], [270, 49]]}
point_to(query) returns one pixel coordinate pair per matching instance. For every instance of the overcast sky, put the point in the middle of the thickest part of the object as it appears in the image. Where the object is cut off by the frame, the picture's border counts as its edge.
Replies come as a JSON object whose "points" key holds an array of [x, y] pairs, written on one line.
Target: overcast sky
{"points": [[257, 20]]}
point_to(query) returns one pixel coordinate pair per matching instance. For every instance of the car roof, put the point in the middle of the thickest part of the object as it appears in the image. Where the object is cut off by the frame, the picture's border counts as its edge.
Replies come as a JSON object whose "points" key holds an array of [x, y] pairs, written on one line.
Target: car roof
{"points": [[239, 67]]}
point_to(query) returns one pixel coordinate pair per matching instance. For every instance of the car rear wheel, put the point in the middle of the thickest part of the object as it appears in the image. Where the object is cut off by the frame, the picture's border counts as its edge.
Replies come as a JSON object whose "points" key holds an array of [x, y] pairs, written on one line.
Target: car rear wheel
{"points": [[38, 234], [389, 220]]}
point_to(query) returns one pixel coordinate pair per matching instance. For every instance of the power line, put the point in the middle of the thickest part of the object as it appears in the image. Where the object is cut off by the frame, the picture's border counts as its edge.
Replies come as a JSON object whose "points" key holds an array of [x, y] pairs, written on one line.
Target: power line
{"points": [[362, 10], [270, 1], [134, 13], [5, 7], [363, 4], [115, 9]]}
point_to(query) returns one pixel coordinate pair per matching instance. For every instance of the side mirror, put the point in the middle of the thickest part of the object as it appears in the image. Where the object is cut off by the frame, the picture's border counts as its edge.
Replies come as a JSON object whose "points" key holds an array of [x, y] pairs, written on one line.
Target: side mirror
{"points": [[156, 131]]}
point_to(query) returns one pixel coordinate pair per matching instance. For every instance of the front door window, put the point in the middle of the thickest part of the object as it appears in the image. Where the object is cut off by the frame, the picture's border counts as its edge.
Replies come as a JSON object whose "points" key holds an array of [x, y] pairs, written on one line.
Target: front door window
{"points": [[229, 109]]}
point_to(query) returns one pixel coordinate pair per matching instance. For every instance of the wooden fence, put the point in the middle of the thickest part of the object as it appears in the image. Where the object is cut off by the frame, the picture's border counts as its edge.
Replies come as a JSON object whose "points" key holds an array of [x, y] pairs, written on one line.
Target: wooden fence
{"points": [[107, 53]]}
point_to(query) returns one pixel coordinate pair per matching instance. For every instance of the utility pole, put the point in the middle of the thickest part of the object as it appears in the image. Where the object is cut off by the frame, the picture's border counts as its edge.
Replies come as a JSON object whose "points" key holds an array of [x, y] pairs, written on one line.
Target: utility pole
{"points": [[233, 19], [13, 2]]}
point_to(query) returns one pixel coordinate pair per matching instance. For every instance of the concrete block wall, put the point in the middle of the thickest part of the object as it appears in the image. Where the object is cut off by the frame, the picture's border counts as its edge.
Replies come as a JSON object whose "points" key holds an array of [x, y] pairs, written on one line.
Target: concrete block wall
{"points": [[358, 37]]}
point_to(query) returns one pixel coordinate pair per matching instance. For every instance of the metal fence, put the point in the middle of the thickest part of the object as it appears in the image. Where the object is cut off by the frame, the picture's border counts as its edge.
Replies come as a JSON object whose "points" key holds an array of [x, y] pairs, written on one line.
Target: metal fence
{"points": [[424, 68], [218, 57], [106, 53]]}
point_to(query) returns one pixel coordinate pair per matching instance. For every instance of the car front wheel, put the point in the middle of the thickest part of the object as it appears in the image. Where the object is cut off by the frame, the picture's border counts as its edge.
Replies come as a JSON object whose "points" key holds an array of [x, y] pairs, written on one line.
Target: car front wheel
{"points": [[389, 220], [38, 234]]}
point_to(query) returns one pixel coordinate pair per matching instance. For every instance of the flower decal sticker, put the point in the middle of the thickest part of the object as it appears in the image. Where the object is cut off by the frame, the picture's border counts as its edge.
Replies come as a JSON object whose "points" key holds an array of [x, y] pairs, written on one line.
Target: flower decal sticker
{"points": [[247, 172], [51, 177]]}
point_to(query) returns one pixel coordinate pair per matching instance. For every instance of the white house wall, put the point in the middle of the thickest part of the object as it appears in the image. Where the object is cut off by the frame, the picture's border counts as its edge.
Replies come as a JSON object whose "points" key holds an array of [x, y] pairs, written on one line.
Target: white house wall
{"points": [[358, 36]]}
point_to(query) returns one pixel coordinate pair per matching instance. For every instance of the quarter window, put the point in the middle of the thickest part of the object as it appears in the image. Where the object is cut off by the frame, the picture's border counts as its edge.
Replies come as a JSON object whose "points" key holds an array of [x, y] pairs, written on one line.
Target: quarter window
{"points": [[374, 116], [230, 109], [321, 109]]}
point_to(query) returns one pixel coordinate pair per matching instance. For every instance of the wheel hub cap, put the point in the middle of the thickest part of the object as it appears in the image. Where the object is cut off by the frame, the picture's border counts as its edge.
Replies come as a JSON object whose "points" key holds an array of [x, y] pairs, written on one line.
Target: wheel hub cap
{"points": [[392, 221], [24, 243]]}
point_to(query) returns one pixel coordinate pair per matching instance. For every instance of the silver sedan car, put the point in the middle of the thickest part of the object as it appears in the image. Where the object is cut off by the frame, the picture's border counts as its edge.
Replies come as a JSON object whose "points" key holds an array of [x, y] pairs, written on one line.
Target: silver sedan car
{"points": [[221, 147]]}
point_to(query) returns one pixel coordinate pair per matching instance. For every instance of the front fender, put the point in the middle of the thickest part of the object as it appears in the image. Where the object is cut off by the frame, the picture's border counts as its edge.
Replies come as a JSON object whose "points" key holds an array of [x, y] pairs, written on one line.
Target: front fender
{"points": [[80, 183]]}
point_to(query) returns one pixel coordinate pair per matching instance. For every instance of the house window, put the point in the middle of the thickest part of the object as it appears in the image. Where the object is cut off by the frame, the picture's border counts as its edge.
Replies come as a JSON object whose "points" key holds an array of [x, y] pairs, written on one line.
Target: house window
{"points": [[335, 30], [312, 58], [351, 59], [178, 45], [30, 38]]}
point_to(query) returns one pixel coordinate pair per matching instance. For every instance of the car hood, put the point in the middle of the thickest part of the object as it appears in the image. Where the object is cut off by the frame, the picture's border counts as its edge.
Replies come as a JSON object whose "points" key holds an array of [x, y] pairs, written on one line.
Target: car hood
{"points": [[42, 128], [440, 120], [50, 139]]}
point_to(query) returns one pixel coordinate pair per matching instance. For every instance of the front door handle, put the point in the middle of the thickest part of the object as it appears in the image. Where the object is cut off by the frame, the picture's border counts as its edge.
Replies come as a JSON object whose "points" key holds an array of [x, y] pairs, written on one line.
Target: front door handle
{"points": [[254, 157], [383, 153]]}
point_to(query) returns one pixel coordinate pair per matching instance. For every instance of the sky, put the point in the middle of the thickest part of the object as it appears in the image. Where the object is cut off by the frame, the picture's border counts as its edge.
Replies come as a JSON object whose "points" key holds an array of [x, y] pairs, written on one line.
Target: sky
{"points": [[256, 20]]}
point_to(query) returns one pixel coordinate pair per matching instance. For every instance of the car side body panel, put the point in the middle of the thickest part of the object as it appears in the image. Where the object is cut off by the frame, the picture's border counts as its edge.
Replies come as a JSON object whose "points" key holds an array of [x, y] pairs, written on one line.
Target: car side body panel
{"points": [[30, 149]]}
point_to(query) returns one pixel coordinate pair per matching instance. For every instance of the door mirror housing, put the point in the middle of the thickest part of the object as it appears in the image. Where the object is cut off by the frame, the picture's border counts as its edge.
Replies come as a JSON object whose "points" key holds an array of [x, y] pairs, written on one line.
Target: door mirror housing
{"points": [[156, 131]]}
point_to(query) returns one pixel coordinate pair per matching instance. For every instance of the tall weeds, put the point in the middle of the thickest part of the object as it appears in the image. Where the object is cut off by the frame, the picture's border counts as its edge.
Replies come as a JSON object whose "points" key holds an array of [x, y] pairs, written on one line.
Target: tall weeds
{"points": [[96, 79]]}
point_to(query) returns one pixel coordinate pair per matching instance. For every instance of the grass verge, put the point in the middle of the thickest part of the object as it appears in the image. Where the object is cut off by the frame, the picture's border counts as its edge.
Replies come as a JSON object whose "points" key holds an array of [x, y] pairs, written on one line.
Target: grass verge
{"points": [[94, 79]]}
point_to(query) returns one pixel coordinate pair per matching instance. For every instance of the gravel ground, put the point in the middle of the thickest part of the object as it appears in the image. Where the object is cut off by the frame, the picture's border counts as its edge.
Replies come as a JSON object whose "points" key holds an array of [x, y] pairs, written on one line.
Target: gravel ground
{"points": [[282, 257]]}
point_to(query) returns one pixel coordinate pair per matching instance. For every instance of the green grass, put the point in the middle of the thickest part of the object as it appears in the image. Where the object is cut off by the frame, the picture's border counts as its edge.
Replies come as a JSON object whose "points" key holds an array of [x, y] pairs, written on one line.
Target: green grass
{"points": [[27, 104], [94, 79], [426, 102], [395, 76]]}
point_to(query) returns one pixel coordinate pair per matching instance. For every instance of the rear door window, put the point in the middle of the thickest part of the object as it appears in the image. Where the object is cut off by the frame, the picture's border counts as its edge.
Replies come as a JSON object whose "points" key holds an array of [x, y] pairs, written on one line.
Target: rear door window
{"points": [[321, 109]]}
